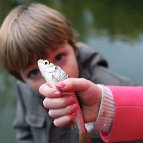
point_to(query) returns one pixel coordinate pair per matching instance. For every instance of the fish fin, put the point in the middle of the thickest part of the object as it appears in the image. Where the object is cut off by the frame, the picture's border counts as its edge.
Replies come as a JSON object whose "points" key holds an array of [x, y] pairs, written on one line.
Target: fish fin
{"points": [[84, 137]]}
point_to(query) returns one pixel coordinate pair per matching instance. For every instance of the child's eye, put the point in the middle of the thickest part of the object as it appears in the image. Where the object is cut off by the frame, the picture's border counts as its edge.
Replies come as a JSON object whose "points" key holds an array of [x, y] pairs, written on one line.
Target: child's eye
{"points": [[34, 73], [59, 57]]}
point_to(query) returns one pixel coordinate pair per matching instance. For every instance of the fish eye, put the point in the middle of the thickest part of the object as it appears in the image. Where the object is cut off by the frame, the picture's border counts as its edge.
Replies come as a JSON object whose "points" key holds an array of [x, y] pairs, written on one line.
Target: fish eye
{"points": [[46, 62]]}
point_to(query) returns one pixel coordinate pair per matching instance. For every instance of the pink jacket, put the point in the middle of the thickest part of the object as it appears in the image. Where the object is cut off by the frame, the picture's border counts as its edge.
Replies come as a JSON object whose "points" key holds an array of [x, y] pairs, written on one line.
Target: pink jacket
{"points": [[128, 120]]}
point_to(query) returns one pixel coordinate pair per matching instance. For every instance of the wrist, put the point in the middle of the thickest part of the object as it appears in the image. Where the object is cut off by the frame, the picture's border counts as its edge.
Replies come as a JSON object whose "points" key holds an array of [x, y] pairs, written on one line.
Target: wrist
{"points": [[92, 105], [96, 107], [105, 112]]}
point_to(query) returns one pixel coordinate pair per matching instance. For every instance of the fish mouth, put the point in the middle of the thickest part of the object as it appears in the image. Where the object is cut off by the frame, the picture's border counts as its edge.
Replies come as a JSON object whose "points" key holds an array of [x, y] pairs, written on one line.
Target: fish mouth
{"points": [[41, 61]]}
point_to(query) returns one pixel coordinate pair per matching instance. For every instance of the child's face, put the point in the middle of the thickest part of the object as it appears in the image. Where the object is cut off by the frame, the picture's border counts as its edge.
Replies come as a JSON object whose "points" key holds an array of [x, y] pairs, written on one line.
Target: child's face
{"points": [[63, 56]]}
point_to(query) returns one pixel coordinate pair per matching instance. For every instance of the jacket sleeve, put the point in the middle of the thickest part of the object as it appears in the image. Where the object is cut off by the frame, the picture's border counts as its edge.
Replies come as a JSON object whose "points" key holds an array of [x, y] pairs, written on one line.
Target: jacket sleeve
{"points": [[127, 123], [23, 133]]}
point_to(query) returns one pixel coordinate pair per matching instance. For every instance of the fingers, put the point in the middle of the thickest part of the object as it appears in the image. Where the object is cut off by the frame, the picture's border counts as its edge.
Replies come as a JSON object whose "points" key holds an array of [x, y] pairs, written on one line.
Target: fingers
{"points": [[54, 103], [47, 91], [62, 105], [56, 113], [63, 116], [88, 92], [73, 84], [63, 109], [64, 120]]}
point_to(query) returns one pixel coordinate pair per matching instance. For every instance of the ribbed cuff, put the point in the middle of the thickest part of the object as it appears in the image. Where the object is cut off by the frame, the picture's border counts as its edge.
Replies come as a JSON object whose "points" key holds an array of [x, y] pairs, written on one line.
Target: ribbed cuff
{"points": [[106, 110]]}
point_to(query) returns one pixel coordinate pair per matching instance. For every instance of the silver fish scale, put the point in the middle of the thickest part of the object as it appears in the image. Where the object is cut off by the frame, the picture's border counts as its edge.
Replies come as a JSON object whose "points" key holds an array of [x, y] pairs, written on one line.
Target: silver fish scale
{"points": [[60, 74]]}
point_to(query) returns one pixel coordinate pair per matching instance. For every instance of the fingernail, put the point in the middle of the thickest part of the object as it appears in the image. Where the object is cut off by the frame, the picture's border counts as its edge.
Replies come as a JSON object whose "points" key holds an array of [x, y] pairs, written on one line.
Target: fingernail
{"points": [[57, 94], [60, 84]]}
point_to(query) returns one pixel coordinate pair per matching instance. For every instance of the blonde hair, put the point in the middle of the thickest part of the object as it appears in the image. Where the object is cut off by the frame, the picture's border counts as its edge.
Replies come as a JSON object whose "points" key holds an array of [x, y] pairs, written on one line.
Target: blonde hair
{"points": [[27, 31]]}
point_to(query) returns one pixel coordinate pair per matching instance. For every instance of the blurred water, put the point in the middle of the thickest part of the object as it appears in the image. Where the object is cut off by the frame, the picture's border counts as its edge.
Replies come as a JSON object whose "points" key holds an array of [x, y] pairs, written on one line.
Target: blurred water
{"points": [[115, 28], [123, 57]]}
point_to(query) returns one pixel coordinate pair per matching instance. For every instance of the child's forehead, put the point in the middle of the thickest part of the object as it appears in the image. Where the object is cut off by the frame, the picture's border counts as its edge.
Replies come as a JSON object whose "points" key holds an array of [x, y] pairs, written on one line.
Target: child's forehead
{"points": [[49, 51], [55, 48]]}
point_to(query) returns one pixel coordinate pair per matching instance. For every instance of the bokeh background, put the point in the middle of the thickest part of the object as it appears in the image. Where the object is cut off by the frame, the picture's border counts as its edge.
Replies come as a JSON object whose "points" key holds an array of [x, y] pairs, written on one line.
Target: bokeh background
{"points": [[113, 27]]}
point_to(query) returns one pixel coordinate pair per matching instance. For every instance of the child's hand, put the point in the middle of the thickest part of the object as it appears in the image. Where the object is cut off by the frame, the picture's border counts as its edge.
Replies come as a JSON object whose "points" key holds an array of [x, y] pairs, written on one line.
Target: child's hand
{"points": [[61, 103]]}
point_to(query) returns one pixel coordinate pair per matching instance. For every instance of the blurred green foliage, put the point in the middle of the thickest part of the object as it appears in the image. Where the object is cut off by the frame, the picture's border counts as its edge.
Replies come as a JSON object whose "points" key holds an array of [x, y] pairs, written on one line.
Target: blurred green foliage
{"points": [[121, 18]]}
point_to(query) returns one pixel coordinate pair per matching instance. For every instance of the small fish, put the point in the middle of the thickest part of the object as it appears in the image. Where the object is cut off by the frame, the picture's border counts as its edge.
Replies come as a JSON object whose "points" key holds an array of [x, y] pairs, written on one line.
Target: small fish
{"points": [[54, 74]]}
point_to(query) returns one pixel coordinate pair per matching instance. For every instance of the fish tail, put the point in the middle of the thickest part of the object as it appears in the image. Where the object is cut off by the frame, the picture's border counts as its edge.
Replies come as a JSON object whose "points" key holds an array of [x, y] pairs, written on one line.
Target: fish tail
{"points": [[84, 137]]}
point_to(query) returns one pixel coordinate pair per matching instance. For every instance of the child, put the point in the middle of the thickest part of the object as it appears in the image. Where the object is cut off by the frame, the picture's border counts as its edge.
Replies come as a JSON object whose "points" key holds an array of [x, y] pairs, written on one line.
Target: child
{"points": [[119, 121], [34, 31]]}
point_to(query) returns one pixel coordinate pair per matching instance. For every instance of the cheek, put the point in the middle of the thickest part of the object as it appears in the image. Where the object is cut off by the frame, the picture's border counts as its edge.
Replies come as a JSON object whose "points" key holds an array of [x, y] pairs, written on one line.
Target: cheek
{"points": [[72, 69], [36, 84]]}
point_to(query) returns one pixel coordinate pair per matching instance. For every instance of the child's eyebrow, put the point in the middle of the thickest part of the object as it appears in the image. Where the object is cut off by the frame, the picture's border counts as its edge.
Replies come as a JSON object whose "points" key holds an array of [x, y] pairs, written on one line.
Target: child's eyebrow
{"points": [[53, 49]]}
